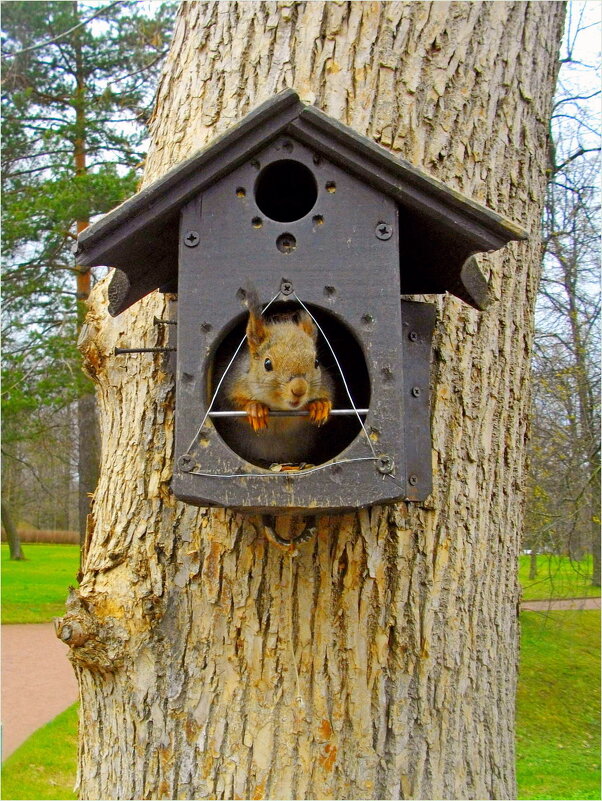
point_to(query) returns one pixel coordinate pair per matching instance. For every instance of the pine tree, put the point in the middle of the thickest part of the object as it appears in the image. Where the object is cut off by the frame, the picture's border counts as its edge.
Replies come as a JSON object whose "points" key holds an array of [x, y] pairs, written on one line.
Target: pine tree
{"points": [[78, 80]]}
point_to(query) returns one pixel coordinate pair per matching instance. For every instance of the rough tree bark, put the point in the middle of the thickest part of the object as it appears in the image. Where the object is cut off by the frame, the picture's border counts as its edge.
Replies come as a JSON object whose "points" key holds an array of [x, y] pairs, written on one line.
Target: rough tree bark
{"points": [[189, 627], [12, 534]]}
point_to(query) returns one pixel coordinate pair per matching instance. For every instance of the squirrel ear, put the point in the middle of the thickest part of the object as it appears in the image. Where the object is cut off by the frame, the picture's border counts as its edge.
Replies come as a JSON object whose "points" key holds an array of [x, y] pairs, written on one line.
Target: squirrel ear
{"points": [[307, 324], [256, 327], [256, 330]]}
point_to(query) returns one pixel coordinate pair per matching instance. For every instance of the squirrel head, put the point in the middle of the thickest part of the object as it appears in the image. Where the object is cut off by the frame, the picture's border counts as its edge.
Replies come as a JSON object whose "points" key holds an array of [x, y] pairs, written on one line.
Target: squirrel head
{"points": [[284, 371]]}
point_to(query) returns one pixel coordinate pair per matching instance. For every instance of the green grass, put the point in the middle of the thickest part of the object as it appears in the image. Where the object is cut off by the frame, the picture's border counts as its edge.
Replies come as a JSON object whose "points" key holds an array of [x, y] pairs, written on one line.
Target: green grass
{"points": [[557, 577], [35, 590], [558, 706], [44, 766]]}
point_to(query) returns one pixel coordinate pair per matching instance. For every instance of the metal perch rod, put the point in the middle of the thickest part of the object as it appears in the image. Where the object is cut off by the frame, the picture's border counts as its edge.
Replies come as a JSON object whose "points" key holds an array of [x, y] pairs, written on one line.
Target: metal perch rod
{"points": [[292, 413]]}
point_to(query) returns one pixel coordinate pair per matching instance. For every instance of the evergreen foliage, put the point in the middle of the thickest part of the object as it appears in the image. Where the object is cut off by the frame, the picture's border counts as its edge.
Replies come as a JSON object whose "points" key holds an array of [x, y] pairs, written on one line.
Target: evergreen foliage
{"points": [[78, 81]]}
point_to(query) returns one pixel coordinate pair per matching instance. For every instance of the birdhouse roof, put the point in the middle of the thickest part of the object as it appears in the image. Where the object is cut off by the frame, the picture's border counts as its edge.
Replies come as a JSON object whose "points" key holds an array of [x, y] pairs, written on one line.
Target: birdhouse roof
{"points": [[140, 237]]}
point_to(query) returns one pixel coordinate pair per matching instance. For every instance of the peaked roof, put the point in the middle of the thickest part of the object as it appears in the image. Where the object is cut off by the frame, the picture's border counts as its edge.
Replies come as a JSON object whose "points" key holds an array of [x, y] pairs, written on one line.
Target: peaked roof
{"points": [[444, 228]]}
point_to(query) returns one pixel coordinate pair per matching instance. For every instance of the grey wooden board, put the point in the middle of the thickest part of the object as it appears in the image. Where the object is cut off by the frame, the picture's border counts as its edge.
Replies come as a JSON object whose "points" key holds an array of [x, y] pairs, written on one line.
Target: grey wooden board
{"points": [[139, 236], [342, 253]]}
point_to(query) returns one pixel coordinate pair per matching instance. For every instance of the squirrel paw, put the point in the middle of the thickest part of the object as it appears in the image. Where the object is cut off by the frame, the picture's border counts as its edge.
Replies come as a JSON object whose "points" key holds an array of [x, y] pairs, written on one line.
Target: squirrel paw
{"points": [[319, 410], [257, 415]]}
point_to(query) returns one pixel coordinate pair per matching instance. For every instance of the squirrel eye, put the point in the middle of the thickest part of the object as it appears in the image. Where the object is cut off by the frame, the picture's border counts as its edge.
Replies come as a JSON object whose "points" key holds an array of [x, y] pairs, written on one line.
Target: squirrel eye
{"points": [[317, 363], [268, 365]]}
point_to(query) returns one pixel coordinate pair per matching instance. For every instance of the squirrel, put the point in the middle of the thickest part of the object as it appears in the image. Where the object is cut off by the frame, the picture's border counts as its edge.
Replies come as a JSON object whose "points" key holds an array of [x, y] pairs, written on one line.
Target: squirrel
{"points": [[278, 370]]}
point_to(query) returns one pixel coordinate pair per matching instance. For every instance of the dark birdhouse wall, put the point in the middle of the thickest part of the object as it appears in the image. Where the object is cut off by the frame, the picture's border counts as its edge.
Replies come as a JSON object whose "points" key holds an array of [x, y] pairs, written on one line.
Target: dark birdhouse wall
{"points": [[336, 242]]}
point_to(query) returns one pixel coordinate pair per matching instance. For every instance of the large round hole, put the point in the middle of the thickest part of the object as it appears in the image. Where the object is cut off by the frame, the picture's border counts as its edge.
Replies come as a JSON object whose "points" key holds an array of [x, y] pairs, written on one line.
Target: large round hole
{"points": [[286, 190], [320, 444]]}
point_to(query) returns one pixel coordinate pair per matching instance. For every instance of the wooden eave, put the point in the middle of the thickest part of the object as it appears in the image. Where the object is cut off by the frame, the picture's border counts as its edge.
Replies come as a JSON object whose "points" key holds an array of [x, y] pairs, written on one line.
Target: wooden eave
{"points": [[140, 237]]}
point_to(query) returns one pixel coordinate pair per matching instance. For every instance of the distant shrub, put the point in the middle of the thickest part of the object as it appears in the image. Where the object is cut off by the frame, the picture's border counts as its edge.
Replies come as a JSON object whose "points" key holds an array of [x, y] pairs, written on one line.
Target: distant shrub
{"points": [[46, 535]]}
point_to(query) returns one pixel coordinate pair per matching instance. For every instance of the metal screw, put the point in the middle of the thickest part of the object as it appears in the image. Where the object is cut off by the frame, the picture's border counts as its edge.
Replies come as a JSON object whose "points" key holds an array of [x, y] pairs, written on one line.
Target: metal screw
{"points": [[416, 392], [384, 231], [413, 480], [186, 463], [413, 336], [286, 287], [385, 464], [191, 239]]}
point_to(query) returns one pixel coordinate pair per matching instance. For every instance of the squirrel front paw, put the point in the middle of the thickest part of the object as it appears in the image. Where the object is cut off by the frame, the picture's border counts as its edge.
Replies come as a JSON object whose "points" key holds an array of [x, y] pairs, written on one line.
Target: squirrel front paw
{"points": [[257, 415], [319, 410]]}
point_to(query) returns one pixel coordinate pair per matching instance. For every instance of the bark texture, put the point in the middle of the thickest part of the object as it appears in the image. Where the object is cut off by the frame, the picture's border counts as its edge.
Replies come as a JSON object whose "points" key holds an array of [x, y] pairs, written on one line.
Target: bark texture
{"points": [[380, 660]]}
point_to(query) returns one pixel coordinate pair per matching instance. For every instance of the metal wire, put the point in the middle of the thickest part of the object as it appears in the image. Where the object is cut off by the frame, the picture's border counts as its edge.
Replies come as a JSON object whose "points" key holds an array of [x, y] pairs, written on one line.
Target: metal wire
{"points": [[361, 422], [220, 382], [291, 413], [280, 473], [296, 473]]}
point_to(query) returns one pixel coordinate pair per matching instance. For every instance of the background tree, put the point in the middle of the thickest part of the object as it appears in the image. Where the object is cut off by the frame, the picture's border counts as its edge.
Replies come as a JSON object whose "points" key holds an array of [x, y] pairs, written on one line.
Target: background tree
{"points": [[564, 498], [380, 662], [77, 82]]}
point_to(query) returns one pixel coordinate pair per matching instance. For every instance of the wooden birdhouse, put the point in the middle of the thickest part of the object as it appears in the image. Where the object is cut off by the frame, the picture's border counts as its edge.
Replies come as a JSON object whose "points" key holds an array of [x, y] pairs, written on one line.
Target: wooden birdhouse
{"points": [[326, 226]]}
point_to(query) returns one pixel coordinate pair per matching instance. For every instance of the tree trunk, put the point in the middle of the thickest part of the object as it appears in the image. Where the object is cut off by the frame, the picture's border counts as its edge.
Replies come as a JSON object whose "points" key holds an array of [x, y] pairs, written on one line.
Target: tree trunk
{"points": [[595, 524], [533, 565], [88, 456], [379, 661], [12, 535]]}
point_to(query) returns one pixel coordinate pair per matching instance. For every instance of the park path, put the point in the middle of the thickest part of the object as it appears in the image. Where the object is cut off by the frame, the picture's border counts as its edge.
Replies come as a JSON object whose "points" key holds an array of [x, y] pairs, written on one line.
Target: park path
{"points": [[38, 681], [559, 604]]}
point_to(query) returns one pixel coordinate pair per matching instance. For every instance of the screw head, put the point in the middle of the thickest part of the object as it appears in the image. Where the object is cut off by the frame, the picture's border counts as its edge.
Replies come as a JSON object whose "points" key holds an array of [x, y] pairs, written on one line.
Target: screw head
{"points": [[385, 464], [384, 231], [286, 287], [191, 239], [413, 336], [186, 463], [416, 392], [413, 480]]}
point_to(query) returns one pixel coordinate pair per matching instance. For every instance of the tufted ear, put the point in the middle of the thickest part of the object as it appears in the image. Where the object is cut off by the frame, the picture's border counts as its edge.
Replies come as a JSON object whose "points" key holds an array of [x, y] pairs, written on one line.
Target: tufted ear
{"points": [[306, 324], [256, 328]]}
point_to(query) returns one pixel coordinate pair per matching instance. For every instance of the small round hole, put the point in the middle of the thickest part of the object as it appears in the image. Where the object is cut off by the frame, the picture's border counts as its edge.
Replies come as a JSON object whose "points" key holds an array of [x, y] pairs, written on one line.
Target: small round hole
{"points": [[318, 219], [286, 243], [241, 192], [331, 187], [256, 222]]}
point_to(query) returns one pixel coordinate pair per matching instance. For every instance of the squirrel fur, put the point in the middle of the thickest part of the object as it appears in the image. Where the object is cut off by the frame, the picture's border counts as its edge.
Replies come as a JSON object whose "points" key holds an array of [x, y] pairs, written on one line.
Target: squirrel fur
{"points": [[277, 370]]}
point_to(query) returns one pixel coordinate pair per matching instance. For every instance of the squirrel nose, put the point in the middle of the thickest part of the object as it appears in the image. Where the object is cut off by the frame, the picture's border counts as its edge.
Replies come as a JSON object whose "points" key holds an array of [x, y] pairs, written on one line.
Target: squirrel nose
{"points": [[298, 387]]}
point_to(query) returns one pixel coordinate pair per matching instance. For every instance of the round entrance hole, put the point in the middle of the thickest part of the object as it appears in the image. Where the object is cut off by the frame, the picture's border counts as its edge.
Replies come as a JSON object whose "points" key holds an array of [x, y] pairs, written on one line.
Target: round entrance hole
{"points": [[286, 190], [319, 444]]}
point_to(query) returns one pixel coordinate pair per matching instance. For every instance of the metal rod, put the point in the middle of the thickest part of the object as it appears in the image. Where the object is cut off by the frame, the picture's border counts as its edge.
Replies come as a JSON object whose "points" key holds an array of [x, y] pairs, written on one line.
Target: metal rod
{"points": [[292, 413], [159, 321], [120, 351]]}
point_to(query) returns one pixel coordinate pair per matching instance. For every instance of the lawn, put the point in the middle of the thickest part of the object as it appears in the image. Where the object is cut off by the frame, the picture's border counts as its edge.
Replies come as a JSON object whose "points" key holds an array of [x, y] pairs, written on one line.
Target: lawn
{"points": [[557, 577], [44, 766], [35, 590], [558, 706]]}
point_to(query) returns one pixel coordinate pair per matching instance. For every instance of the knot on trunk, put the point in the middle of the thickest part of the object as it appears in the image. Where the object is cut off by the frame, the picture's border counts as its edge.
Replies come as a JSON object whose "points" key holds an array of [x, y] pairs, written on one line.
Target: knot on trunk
{"points": [[96, 334], [95, 644]]}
